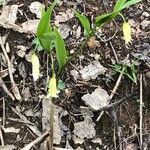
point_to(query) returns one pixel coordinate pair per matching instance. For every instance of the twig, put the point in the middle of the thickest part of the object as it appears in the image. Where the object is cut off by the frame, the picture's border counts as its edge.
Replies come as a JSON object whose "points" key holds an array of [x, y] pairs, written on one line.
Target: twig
{"points": [[1, 136], [113, 114], [114, 137], [2, 84], [115, 54], [117, 84], [3, 112], [114, 89], [36, 141], [120, 101], [141, 110], [14, 86]]}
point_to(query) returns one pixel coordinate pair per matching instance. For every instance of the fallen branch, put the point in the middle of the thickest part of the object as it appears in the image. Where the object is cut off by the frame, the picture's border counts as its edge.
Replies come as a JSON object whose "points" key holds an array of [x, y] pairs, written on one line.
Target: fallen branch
{"points": [[36, 141]]}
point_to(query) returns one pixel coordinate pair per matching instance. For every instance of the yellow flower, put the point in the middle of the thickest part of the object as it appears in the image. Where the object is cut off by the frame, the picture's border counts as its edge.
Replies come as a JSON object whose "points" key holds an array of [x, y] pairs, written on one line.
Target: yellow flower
{"points": [[52, 91], [127, 32], [35, 66]]}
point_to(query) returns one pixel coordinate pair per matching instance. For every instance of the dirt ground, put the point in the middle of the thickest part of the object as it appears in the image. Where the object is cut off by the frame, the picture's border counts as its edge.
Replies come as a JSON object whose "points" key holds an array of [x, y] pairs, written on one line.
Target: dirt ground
{"points": [[77, 126]]}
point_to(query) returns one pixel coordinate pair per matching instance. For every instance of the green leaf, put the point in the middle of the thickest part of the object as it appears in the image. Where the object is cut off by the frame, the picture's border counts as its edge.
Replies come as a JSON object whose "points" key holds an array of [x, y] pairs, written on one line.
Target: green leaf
{"points": [[130, 2], [100, 20], [129, 71], [118, 5], [60, 49], [122, 4], [84, 22], [37, 43], [47, 41], [61, 85], [44, 24]]}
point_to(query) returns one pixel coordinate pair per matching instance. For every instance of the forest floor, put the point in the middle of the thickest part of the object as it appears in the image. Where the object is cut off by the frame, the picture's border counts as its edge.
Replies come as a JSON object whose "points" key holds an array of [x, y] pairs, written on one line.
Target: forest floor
{"points": [[122, 124]]}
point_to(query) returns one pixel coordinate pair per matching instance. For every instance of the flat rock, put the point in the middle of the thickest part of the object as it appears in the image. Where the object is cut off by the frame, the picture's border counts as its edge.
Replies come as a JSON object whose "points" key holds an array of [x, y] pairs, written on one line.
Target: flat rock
{"points": [[92, 70], [84, 129], [98, 99]]}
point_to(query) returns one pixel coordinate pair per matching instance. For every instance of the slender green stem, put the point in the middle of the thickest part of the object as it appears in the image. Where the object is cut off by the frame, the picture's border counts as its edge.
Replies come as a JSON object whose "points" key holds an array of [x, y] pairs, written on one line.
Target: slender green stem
{"points": [[82, 46], [52, 65], [122, 17]]}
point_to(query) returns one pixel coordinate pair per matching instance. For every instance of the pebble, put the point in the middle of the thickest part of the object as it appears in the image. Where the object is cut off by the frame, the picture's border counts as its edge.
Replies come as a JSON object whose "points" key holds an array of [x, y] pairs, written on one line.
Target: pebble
{"points": [[145, 14]]}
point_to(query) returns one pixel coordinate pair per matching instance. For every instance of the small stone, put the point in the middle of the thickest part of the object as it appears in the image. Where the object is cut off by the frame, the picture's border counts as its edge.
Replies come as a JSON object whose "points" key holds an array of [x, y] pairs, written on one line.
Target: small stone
{"points": [[97, 100], [84, 129], [21, 51], [145, 23], [75, 74], [97, 140], [36, 8], [145, 14], [92, 70], [64, 30], [97, 56]]}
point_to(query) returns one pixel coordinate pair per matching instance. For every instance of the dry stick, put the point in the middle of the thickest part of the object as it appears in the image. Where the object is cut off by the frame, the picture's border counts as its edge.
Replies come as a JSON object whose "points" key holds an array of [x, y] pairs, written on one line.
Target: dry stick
{"points": [[118, 102], [115, 54], [1, 136], [14, 86], [141, 110], [114, 137], [117, 84], [114, 90], [2, 84], [3, 112], [36, 141]]}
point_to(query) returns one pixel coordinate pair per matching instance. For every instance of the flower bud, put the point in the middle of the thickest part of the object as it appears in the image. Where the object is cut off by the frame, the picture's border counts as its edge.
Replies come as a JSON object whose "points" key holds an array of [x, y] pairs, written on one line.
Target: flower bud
{"points": [[127, 32], [52, 91], [35, 66]]}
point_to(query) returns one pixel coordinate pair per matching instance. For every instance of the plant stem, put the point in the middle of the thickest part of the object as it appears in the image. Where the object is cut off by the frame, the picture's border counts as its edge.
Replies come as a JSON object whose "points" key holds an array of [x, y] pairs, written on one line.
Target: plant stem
{"points": [[52, 110], [46, 4], [83, 44], [122, 17]]}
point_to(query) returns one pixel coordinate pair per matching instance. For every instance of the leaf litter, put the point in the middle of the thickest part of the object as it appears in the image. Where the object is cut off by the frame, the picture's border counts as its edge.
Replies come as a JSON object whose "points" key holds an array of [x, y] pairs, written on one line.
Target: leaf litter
{"points": [[82, 130]]}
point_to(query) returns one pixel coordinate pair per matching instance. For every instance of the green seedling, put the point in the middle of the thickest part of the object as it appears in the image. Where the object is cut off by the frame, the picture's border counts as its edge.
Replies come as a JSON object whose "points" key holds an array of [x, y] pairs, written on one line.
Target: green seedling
{"points": [[129, 71], [100, 20], [119, 6], [50, 40], [48, 37]]}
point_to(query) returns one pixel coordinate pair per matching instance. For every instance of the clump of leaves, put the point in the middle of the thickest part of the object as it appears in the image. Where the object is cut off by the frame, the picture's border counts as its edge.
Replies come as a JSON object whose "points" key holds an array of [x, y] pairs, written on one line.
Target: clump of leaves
{"points": [[49, 39], [100, 20], [129, 70]]}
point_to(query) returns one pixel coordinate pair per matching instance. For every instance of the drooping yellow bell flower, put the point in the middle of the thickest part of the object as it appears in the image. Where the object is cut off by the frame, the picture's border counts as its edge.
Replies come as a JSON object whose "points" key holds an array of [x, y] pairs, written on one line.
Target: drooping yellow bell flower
{"points": [[52, 91], [127, 32], [35, 66]]}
